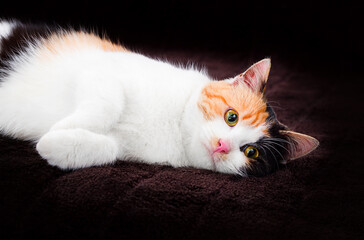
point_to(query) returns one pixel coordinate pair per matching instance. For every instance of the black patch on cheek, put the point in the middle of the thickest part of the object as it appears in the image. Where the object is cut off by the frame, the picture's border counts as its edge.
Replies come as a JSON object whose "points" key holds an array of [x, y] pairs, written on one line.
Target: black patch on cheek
{"points": [[273, 151], [258, 168]]}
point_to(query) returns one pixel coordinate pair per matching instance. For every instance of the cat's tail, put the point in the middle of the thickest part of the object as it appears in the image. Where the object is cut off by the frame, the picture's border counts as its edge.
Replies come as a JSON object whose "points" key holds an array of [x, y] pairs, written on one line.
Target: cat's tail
{"points": [[7, 30], [6, 27], [15, 38]]}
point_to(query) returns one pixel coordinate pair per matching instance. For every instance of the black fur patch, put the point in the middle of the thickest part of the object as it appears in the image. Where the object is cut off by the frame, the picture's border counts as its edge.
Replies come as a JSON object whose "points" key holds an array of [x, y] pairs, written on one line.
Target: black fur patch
{"points": [[19, 39], [273, 150]]}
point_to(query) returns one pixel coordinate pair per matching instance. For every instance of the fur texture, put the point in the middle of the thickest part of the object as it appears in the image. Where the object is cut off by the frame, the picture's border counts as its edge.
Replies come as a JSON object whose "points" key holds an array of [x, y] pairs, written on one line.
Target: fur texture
{"points": [[86, 101]]}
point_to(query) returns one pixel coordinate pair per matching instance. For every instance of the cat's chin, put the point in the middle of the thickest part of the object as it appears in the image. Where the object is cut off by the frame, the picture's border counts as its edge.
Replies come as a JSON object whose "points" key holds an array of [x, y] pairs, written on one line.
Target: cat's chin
{"points": [[232, 171], [224, 163], [217, 162]]}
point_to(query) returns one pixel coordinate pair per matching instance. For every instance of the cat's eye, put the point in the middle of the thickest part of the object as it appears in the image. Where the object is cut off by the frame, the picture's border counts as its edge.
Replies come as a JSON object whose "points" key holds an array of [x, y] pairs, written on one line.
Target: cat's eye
{"points": [[231, 117], [251, 152]]}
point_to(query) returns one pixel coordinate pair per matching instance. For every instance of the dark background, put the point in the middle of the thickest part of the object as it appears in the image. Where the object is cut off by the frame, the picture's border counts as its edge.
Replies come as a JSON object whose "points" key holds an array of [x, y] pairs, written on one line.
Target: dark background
{"points": [[322, 30], [319, 40], [323, 35]]}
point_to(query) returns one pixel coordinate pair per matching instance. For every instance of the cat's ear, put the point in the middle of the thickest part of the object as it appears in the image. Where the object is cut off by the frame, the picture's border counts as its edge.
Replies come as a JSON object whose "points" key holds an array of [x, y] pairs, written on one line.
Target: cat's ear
{"points": [[256, 76], [300, 144]]}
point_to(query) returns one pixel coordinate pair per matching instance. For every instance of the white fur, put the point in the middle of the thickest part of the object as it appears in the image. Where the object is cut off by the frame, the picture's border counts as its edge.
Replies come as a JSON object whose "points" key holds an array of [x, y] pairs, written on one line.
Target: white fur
{"points": [[89, 107]]}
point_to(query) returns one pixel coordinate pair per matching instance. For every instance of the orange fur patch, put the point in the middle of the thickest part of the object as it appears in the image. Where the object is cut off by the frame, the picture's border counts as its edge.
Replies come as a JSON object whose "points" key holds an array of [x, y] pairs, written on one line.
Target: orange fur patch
{"points": [[58, 43], [219, 96]]}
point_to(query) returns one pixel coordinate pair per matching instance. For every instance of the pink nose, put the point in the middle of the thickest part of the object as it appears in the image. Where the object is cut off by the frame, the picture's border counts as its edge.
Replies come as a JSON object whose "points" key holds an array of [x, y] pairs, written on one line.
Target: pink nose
{"points": [[223, 147]]}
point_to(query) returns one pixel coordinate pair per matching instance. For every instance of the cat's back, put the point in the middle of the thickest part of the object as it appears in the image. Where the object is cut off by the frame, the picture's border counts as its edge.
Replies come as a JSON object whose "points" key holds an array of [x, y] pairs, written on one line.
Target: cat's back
{"points": [[43, 70], [42, 59], [28, 49], [20, 42], [39, 73]]}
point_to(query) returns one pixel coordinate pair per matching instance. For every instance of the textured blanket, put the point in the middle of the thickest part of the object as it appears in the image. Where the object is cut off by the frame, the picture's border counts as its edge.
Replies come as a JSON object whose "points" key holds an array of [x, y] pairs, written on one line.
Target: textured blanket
{"points": [[315, 197]]}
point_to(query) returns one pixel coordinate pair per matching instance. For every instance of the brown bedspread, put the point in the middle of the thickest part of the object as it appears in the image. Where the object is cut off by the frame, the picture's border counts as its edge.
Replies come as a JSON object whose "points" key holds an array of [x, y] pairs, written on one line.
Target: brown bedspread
{"points": [[317, 196]]}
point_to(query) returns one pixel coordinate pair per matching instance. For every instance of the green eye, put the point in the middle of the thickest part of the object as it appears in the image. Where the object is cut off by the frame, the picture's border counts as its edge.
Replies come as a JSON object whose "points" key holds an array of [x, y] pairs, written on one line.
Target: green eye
{"points": [[251, 152], [231, 117]]}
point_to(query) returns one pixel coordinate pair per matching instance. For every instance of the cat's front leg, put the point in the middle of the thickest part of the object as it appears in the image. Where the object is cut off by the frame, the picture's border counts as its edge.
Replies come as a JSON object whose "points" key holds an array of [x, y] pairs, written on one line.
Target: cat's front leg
{"points": [[80, 139], [77, 148]]}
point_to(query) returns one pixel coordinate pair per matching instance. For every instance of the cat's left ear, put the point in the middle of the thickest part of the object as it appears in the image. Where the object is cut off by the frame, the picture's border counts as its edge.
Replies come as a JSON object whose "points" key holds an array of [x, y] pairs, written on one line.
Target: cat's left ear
{"points": [[256, 76], [300, 144]]}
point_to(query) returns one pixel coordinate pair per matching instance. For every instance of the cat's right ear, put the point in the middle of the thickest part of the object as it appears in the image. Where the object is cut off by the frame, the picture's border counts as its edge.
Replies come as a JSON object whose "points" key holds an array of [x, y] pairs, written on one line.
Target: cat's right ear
{"points": [[255, 77], [300, 144]]}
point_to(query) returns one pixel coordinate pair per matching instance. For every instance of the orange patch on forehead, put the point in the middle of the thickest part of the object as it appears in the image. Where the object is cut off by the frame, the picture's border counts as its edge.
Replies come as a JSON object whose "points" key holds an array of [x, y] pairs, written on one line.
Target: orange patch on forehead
{"points": [[79, 40], [219, 96]]}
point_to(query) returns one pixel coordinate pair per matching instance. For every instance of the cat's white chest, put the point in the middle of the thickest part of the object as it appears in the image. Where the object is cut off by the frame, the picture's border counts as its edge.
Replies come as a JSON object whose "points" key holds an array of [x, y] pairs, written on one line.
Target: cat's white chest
{"points": [[153, 145], [156, 95], [150, 126]]}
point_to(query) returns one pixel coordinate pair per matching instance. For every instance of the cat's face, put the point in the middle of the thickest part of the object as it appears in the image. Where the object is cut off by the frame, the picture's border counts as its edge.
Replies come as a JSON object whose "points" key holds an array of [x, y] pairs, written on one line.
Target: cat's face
{"points": [[240, 133]]}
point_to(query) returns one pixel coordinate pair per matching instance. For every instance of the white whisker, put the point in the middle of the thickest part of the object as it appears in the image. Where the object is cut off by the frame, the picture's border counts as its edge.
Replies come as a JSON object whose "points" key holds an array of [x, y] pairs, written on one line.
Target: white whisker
{"points": [[273, 142]]}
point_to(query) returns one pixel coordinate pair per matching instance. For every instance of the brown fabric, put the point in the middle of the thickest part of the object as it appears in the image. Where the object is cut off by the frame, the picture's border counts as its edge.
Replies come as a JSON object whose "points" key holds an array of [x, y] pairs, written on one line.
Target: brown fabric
{"points": [[315, 197]]}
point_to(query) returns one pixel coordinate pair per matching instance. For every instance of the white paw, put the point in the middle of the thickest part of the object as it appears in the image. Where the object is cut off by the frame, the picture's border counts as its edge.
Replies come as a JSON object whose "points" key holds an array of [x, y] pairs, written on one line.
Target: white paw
{"points": [[76, 148]]}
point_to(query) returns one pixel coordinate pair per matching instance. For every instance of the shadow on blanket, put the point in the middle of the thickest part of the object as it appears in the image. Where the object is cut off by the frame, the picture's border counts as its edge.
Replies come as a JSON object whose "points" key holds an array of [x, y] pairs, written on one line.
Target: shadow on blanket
{"points": [[315, 197]]}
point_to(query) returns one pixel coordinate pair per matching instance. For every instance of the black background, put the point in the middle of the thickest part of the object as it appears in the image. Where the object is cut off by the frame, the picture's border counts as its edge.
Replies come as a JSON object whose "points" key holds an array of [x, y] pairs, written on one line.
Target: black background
{"points": [[322, 31]]}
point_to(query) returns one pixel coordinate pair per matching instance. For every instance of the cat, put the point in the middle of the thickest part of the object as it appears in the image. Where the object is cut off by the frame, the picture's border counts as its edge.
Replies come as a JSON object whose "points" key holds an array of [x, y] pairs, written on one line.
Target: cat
{"points": [[85, 101]]}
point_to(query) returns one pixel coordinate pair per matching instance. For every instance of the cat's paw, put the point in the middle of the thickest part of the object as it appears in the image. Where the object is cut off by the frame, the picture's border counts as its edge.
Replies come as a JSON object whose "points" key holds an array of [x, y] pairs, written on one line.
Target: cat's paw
{"points": [[76, 148]]}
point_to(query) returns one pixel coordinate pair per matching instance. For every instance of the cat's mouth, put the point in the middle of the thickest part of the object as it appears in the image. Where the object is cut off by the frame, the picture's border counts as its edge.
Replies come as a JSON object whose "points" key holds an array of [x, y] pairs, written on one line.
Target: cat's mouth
{"points": [[219, 151], [218, 157]]}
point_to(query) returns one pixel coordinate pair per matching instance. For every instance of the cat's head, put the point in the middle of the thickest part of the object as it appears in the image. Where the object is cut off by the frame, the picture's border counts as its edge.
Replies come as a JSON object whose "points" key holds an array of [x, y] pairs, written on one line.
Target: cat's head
{"points": [[240, 133]]}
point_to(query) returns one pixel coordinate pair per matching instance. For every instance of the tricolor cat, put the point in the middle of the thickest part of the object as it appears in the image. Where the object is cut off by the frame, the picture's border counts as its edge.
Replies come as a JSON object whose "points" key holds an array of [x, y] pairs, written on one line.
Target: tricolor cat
{"points": [[86, 101]]}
